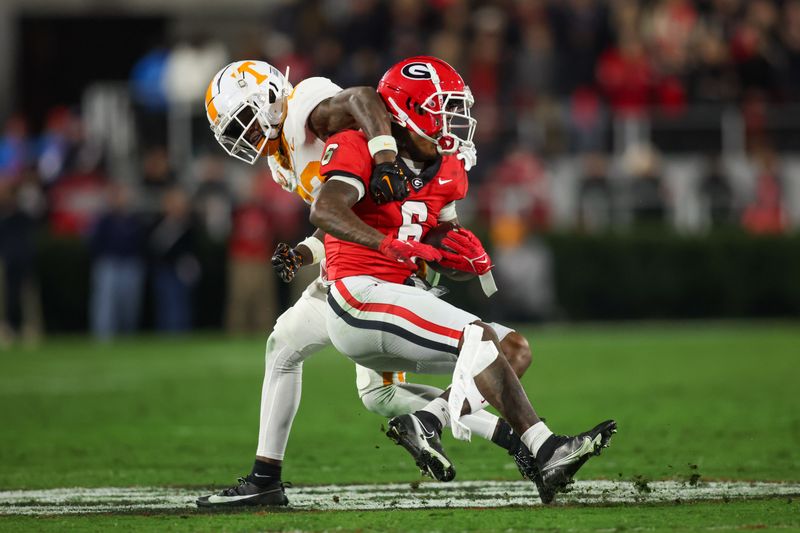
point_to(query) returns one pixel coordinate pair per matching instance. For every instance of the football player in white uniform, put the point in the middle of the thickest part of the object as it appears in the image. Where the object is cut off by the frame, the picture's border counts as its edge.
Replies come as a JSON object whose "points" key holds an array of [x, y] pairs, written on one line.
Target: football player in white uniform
{"points": [[253, 111]]}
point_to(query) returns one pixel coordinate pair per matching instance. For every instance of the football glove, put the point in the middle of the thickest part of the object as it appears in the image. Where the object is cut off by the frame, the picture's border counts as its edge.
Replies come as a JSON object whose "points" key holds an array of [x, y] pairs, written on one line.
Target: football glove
{"points": [[465, 252], [404, 251], [286, 261], [468, 154], [388, 183]]}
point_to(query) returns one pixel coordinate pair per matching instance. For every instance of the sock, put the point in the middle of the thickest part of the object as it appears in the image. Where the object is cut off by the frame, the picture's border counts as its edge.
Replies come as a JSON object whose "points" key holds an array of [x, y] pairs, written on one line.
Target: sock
{"points": [[482, 424], [505, 437], [438, 409], [264, 473], [535, 436], [435, 415]]}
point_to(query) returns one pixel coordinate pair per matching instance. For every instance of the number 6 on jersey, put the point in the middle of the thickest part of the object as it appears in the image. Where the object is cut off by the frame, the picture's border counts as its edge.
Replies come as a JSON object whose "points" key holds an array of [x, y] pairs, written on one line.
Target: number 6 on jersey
{"points": [[414, 215]]}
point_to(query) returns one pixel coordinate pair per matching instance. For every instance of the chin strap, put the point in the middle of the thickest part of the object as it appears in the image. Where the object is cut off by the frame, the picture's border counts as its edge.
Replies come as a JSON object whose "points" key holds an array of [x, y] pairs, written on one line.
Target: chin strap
{"points": [[404, 120]]}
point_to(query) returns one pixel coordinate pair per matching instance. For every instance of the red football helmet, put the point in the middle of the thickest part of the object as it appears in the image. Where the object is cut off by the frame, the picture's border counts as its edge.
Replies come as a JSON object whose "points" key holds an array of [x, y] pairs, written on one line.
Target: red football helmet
{"points": [[429, 97]]}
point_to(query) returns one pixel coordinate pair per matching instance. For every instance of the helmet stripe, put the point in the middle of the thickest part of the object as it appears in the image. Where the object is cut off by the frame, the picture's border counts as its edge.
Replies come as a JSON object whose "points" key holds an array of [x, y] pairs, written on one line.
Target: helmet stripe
{"points": [[437, 85], [211, 109]]}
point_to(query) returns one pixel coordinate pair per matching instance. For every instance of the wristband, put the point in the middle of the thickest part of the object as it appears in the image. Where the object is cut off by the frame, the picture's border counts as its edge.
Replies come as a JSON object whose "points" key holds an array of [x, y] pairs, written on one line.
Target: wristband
{"points": [[317, 248], [381, 142]]}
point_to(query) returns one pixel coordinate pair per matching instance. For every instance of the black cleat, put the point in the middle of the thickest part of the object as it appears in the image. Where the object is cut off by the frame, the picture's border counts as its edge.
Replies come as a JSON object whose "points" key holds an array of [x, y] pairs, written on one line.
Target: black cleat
{"points": [[423, 445], [526, 464], [247, 494], [561, 457]]}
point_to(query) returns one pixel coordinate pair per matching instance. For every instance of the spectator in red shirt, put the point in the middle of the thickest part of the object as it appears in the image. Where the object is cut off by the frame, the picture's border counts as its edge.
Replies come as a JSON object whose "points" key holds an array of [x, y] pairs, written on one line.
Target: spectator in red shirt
{"points": [[765, 214], [252, 296], [626, 75], [519, 187]]}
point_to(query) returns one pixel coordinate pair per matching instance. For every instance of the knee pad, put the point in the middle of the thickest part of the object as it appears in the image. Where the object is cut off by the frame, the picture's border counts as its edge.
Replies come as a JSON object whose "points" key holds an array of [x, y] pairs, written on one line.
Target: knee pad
{"points": [[375, 393], [367, 380], [281, 355]]}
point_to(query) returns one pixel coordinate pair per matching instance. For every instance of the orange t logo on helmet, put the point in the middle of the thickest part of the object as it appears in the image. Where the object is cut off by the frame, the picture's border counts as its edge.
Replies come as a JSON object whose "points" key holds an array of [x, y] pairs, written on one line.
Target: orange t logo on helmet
{"points": [[247, 67]]}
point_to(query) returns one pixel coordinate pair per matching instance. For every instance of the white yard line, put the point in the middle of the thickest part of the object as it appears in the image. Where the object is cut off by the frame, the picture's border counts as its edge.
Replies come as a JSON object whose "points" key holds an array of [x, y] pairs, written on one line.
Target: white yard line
{"points": [[387, 496]]}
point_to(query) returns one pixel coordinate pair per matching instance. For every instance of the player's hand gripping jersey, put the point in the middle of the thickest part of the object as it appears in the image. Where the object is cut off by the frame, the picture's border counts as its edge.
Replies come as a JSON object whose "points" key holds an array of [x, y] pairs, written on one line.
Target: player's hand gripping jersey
{"points": [[294, 156], [346, 157]]}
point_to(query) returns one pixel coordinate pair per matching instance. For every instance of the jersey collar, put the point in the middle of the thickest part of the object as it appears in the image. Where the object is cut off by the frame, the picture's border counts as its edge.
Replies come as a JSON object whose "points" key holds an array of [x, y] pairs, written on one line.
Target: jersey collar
{"points": [[418, 181]]}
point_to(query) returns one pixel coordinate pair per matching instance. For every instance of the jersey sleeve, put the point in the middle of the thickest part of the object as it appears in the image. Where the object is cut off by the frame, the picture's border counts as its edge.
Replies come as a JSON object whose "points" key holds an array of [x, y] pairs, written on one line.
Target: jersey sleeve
{"points": [[461, 189], [307, 95], [346, 158]]}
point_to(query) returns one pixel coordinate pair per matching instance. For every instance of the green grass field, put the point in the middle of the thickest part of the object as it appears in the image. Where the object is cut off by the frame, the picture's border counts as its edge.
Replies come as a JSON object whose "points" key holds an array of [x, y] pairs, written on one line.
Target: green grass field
{"points": [[716, 399]]}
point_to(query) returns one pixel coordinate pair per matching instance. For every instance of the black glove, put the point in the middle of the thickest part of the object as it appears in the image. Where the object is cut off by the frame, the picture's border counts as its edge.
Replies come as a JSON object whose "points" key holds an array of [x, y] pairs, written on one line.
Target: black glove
{"points": [[286, 262], [388, 183]]}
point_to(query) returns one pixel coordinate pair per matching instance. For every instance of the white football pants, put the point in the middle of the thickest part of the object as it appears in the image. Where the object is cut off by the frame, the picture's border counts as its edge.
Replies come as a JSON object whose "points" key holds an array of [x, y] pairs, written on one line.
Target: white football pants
{"points": [[301, 332]]}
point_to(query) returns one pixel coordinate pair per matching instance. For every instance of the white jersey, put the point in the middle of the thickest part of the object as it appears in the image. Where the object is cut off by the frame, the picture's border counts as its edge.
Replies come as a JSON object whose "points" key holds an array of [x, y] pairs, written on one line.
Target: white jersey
{"points": [[303, 148], [304, 151]]}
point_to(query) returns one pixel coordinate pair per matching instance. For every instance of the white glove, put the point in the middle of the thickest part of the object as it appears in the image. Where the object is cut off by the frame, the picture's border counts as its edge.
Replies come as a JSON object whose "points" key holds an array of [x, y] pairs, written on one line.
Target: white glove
{"points": [[284, 178], [468, 154]]}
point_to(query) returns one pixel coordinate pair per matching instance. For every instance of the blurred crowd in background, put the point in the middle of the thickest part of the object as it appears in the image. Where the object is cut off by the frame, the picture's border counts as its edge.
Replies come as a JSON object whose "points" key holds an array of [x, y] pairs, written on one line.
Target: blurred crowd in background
{"points": [[593, 116]]}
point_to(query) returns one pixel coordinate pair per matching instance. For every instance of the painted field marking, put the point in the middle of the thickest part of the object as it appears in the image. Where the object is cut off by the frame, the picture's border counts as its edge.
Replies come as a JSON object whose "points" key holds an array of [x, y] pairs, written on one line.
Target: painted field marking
{"points": [[387, 496]]}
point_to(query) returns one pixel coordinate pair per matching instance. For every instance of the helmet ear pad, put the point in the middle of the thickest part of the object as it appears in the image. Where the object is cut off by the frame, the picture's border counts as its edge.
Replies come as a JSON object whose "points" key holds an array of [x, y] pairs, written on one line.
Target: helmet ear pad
{"points": [[416, 112], [413, 107], [417, 108]]}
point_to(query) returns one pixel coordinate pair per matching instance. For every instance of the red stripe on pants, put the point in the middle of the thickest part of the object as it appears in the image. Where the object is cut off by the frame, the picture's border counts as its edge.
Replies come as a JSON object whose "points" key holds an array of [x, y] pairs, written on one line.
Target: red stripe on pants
{"points": [[396, 310]]}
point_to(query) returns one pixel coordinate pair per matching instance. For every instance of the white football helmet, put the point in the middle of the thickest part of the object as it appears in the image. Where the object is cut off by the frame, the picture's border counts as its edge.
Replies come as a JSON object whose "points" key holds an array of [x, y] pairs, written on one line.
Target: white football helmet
{"points": [[246, 106]]}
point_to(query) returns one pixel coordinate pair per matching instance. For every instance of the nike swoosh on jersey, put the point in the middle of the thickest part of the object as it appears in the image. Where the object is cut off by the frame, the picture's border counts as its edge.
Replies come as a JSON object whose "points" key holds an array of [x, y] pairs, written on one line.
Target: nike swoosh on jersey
{"points": [[444, 182]]}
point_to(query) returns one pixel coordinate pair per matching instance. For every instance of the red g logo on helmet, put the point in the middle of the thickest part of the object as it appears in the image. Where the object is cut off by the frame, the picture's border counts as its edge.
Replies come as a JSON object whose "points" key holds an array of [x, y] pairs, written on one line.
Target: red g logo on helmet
{"points": [[428, 96]]}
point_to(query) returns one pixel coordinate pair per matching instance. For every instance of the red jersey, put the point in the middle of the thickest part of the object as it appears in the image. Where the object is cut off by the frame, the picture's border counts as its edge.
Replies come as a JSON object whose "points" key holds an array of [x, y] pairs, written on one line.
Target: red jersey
{"points": [[441, 183]]}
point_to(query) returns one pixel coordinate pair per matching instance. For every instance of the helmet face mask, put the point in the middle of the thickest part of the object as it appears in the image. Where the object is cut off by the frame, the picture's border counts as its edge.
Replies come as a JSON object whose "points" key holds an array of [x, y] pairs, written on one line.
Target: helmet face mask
{"points": [[242, 135], [458, 125], [427, 96]]}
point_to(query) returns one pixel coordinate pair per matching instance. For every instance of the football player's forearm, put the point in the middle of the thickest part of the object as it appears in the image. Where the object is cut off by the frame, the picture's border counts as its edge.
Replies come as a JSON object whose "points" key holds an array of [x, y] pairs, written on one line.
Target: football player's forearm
{"points": [[338, 220], [366, 107], [368, 110], [354, 108], [305, 252]]}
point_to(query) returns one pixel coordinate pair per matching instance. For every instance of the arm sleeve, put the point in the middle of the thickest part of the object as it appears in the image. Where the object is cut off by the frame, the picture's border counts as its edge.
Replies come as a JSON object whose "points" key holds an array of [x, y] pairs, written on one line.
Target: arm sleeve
{"points": [[448, 212], [355, 182], [346, 157], [309, 93]]}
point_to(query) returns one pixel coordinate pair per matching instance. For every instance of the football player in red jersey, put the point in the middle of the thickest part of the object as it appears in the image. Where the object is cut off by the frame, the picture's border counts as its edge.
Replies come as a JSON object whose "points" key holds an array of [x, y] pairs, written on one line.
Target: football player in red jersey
{"points": [[382, 322], [255, 112]]}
